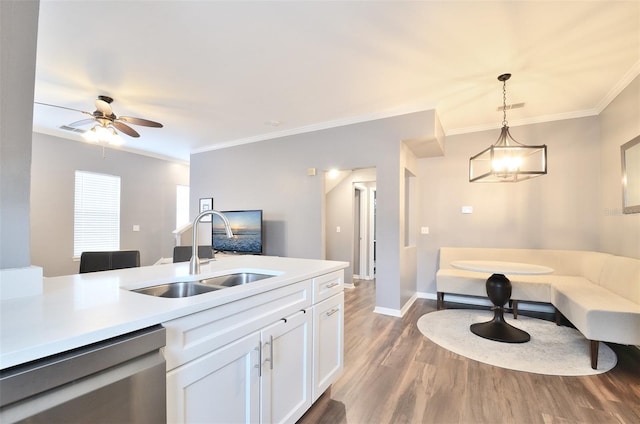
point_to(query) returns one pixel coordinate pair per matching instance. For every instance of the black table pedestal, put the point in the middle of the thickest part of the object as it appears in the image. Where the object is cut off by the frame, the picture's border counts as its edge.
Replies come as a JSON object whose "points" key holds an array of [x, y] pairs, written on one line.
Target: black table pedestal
{"points": [[499, 292]]}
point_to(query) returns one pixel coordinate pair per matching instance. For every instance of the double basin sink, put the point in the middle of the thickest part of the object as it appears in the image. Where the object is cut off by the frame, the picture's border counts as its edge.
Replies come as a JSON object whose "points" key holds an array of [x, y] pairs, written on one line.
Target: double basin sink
{"points": [[193, 288]]}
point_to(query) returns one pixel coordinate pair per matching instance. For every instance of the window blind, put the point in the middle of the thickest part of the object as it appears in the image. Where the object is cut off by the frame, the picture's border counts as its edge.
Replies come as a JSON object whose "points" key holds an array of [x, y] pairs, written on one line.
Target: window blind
{"points": [[96, 213]]}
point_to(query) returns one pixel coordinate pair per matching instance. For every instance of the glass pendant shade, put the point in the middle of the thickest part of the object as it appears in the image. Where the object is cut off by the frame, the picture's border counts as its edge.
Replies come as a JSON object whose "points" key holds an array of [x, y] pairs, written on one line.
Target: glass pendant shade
{"points": [[101, 134], [508, 161]]}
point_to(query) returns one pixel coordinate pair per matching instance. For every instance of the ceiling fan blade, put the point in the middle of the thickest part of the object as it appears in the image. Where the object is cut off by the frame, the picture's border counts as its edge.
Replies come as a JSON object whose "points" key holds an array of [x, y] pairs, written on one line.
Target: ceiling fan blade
{"points": [[82, 122], [140, 121], [63, 107], [126, 129]]}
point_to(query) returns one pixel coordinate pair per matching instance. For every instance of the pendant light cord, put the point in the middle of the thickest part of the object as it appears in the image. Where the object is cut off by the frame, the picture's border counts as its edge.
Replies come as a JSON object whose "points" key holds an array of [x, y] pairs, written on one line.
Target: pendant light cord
{"points": [[504, 103]]}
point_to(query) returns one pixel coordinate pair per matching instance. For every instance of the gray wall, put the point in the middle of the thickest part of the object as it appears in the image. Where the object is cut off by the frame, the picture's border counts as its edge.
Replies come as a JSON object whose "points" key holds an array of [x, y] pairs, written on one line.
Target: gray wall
{"points": [[620, 122], [18, 31], [147, 198], [272, 175], [558, 211]]}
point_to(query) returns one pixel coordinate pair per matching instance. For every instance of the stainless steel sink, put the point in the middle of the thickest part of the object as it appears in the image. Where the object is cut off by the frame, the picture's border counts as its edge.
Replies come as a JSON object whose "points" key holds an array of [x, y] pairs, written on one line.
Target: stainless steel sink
{"points": [[179, 289], [193, 288], [236, 279]]}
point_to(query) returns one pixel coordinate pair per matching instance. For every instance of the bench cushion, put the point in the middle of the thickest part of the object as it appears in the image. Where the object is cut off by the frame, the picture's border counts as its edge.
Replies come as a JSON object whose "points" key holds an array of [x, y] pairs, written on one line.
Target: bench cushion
{"points": [[596, 312]]}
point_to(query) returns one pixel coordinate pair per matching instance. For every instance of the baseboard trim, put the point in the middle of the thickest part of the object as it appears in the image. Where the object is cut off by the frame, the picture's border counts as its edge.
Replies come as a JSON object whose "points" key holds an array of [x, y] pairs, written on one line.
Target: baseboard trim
{"points": [[387, 311], [395, 312]]}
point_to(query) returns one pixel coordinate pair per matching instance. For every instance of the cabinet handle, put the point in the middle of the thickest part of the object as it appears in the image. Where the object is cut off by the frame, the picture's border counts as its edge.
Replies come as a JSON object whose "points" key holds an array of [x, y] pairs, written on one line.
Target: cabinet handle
{"points": [[270, 359], [259, 364], [333, 311], [335, 283]]}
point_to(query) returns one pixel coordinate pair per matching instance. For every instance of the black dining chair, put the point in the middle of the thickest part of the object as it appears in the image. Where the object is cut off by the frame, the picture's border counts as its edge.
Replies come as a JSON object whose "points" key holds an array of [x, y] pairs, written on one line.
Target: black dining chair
{"points": [[183, 253], [106, 261]]}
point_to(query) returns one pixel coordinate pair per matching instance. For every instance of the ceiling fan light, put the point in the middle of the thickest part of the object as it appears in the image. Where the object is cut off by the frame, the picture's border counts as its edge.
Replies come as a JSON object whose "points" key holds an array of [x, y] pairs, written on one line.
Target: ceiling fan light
{"points": [[91, 135], [102, 134]]}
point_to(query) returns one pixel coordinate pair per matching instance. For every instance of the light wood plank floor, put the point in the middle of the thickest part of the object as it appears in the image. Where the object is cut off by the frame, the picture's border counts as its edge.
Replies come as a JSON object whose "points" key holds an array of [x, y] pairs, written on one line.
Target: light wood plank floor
{"points": [[393, 374]]}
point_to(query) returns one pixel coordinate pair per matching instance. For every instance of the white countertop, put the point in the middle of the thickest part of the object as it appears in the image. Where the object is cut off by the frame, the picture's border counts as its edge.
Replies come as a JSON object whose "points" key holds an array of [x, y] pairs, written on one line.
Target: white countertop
{"points": [[80, 309], [500, 267]]}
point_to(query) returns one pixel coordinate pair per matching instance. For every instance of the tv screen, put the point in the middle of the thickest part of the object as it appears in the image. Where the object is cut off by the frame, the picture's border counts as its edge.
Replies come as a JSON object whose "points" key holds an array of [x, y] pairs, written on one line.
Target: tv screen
{"points": [[247, 232]]}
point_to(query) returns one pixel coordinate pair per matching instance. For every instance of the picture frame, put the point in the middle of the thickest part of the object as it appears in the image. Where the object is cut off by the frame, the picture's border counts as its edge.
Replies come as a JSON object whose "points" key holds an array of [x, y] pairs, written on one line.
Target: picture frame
{"points": [[206, 204], [630, 156]]}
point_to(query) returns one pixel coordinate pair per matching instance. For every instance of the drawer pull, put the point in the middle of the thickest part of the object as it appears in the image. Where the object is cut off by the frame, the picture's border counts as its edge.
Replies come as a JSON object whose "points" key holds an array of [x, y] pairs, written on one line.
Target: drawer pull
{"points": [[259, 364], [333, 311], [270, 359], [335, 283]]}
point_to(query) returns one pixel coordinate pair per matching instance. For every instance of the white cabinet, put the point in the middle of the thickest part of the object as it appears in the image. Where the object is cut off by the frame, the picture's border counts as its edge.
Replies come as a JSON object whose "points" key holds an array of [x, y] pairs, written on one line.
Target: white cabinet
{"points": [[220, 387], [328, 342], [264, 377], [264, 358], [286, 369]]}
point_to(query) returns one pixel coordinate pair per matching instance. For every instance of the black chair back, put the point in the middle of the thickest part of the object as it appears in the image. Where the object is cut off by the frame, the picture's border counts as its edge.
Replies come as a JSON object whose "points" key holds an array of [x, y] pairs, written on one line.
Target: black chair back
{"points": [[125, 259], [183, 253], [105, 261]]}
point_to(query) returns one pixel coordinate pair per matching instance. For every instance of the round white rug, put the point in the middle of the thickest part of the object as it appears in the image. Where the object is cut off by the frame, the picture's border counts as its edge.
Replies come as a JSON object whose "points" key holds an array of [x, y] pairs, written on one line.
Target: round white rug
{"points": [[552, 350]]}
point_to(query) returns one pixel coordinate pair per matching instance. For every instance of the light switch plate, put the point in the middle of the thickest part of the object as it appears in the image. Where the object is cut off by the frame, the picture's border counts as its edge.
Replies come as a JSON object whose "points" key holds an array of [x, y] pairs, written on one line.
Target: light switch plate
{"points": [[467, 209]]}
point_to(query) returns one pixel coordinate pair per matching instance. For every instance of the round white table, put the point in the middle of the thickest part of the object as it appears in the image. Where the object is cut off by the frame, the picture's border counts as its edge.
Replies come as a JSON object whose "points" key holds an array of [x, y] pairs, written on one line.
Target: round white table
{"points": [[499, 292]]}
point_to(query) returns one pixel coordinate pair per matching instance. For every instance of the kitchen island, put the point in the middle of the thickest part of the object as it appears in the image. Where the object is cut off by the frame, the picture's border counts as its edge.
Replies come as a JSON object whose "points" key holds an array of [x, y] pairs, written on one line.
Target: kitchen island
{"points": [[78, 310]]}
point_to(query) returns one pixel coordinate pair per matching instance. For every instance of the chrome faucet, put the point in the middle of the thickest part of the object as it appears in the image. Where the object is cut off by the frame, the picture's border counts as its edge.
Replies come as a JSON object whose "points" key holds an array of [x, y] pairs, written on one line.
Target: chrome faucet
{"points": [[194, 264]]}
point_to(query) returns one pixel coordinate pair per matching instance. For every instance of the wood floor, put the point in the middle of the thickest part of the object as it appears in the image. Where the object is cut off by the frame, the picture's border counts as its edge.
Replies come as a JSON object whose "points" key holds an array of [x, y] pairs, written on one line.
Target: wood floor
{"points": [[393, 374]]}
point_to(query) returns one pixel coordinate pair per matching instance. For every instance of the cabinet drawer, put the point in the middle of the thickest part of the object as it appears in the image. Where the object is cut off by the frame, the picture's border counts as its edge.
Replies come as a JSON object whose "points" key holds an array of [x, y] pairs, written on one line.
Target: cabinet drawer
{"points": [[327, 285], [197, 334]]}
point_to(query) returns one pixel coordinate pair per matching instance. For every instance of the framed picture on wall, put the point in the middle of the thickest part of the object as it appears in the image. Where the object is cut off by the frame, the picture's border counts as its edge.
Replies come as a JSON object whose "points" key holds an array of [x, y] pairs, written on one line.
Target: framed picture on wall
{"points": [[206, 204], [630, 153]]}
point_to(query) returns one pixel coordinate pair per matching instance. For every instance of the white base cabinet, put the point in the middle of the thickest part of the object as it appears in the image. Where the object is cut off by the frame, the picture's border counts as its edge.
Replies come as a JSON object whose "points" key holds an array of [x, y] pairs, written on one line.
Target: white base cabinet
{"points": [[269, 373], [328, 343], [220, 387], [285, 384]]}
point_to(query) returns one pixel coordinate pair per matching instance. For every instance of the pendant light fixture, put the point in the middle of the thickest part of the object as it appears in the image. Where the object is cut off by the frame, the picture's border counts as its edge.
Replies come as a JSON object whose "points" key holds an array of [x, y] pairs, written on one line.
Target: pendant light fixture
{"points": [[507, 160]]}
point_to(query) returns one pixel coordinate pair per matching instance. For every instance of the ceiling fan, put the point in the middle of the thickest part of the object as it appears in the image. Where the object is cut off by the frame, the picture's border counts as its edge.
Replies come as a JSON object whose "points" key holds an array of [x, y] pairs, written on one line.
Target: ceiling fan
{"points": [[104, 118]]}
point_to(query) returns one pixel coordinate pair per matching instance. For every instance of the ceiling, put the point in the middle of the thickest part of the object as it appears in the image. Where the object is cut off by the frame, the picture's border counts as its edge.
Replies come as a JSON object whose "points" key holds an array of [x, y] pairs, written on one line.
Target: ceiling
{"points": [[218, 74]]}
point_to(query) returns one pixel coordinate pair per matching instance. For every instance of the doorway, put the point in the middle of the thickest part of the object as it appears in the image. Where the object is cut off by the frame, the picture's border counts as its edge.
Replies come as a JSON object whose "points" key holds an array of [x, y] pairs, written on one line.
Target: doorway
{"points": [[349, 219], [364, 240]]}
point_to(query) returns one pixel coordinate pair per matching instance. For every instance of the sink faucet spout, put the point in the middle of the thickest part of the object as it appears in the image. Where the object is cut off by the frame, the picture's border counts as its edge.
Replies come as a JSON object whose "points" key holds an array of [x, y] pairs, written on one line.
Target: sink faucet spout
{"points": [[194, 264]]}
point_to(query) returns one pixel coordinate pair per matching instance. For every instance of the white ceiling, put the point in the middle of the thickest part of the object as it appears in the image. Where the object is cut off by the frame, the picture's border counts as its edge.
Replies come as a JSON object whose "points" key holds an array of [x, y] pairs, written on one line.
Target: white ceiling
{"points": [[217, 73]]}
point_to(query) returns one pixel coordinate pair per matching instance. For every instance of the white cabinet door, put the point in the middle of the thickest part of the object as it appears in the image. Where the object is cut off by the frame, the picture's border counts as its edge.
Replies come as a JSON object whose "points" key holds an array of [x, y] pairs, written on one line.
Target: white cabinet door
{"points": [[328, 341], [220, 387], [286, 369]]}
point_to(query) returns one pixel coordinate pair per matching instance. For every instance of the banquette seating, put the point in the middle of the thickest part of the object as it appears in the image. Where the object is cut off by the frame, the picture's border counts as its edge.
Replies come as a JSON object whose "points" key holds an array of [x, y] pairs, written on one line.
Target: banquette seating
{"points": [[599, 293]]}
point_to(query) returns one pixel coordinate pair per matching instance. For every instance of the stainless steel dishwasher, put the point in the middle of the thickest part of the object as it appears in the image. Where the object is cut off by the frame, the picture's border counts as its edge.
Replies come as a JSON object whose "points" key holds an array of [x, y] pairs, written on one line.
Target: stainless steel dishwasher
{"points": [[119, 380]]}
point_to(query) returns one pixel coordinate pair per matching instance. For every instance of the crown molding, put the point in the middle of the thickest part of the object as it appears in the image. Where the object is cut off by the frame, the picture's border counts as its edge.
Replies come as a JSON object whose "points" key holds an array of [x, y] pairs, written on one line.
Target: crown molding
{"points": [[389, 113]]}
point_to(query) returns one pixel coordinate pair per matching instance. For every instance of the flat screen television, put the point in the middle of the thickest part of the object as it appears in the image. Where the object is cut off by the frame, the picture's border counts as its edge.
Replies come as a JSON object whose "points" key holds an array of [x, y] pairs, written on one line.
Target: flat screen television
{"points": [[247, 232]]}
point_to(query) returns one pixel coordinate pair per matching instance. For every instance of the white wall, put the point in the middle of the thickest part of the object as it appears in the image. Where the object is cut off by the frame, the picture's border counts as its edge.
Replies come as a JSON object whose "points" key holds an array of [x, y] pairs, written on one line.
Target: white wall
{"points": [[147, 199], [272, 175], [559, 210], [620, 122]]}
